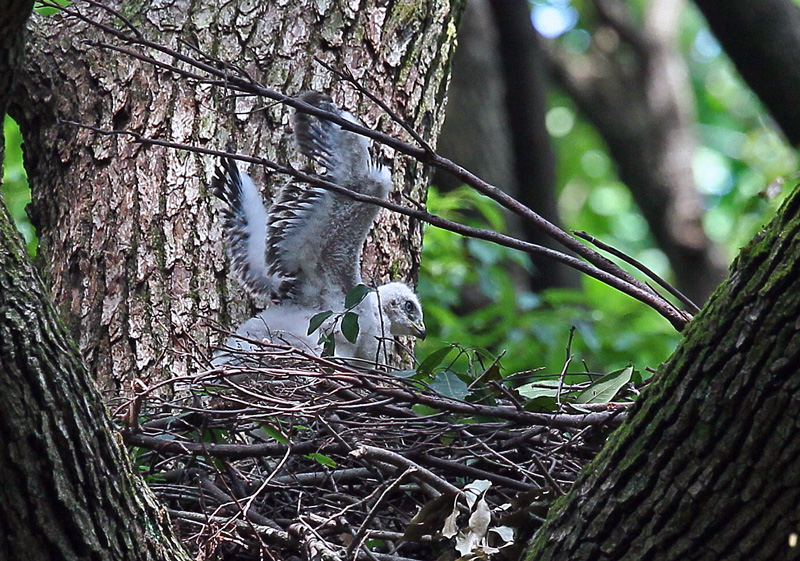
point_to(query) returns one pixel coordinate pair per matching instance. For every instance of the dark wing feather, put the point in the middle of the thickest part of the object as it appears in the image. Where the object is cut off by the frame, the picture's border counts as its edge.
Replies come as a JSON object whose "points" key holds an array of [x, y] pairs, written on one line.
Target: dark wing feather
{"points": [[316, 235], [245, 223]]}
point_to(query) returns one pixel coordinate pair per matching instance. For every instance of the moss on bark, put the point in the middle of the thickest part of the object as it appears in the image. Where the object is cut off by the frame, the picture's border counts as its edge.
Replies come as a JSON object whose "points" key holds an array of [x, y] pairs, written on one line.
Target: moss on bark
{"points": [[706, 467]]}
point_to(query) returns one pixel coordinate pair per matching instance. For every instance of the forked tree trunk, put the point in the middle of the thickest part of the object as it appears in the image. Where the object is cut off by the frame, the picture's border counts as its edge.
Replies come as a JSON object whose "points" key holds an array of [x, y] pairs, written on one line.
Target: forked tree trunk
{"points": [[130, 234], [705, 468], [708, 464], [68, 489]]}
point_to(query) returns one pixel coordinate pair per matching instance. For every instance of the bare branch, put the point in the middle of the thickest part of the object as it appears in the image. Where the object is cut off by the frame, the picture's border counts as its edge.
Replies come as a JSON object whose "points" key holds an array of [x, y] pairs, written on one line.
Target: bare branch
{"points": [[267, 532], [642, 267], [677, 318], [347, 75], [413, 469]]}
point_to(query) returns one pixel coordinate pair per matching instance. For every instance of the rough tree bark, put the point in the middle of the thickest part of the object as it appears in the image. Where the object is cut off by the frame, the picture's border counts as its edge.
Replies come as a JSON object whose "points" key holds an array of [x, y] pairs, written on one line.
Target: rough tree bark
{"points": [[131, 234], [705, 468], [12, 51], [763, 39], [708, 464], [634, 88], [69, 491]]}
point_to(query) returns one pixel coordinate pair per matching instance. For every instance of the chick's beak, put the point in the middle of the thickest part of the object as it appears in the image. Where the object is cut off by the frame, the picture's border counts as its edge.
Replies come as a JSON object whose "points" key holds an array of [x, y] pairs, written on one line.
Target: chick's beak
{"points": [[419, 330]]}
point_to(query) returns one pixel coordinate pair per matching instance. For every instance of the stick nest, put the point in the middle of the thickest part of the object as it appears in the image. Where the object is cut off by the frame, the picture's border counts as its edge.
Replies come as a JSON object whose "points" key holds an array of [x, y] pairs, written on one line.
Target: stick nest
{"points": [[297, 457]]}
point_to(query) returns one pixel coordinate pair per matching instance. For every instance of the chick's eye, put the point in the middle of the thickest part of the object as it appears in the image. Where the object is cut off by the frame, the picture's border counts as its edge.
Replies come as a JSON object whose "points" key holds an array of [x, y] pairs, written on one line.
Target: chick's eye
{"points": [[408, 307]]}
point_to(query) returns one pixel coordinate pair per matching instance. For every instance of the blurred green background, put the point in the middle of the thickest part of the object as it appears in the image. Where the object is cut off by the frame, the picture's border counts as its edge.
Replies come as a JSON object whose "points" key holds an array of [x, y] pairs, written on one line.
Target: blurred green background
{"points": [[15, 183], [740, 155]]}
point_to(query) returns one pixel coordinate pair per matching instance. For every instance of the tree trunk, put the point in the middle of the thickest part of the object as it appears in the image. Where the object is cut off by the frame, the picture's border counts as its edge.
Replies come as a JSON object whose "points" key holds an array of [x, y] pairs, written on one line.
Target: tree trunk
{"points": [[763, 39], [12, 51], [525, 76], [131, 233], [68, 490], [706, 467]]}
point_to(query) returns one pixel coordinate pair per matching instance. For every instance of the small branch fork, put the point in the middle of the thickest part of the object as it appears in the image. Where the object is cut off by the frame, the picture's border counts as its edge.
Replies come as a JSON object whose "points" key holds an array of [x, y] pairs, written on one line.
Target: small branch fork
{"points": [[207, 69], [268, 457], [640, 266]]}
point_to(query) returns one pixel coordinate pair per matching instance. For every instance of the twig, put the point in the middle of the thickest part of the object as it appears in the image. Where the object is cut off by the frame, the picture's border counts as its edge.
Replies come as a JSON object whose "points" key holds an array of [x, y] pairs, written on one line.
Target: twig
{"points": [[318, 478], [207, 485], [550, 479], [461, 469], [677, 318], [559, 420], [347, 75], [316, 546], [362, 530], [231, 451], [271, 534], [266, 481], [400, 461], [433, 451], [566, 366], [685, 300]]}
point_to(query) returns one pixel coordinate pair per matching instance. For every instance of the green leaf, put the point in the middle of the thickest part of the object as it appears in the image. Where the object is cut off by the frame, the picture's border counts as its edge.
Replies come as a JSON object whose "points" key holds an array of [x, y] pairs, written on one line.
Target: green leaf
{"points": [[541, 404], [350, 326], [317, 320], [536, 390], [274, 433], [492, 373], [355, 295], [450, 385], [322, 459], [433, 360], [604, 389], [424, 410], [214, 435], [328, 344]]}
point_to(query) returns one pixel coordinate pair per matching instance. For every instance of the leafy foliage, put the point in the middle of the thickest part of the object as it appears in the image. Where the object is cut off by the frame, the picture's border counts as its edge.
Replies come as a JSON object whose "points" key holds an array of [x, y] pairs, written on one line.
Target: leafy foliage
{"points": [[740, 165], [317, 320], [355, 295], [472, 291], [348, 320], [322, 460], [604, 389], [531, 330], [14, 188], [350, 326]]}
